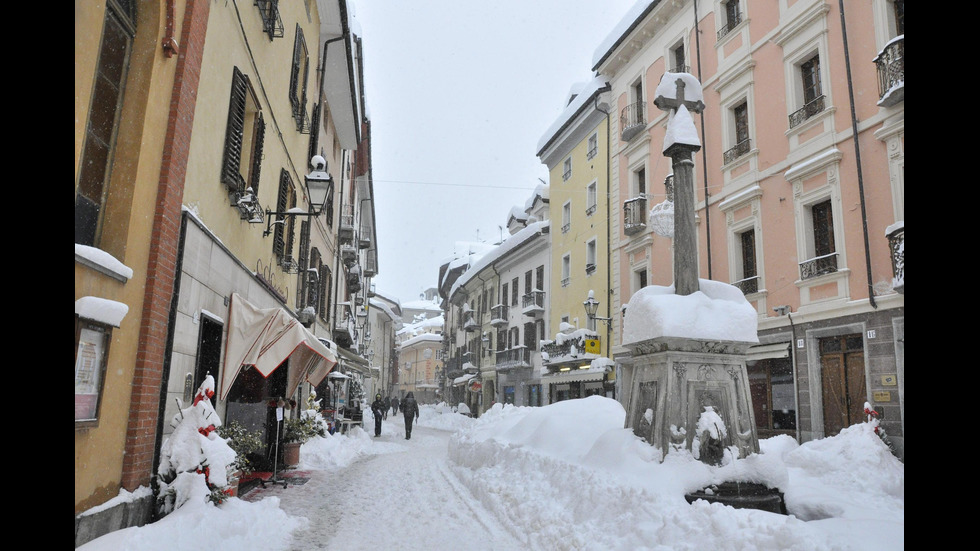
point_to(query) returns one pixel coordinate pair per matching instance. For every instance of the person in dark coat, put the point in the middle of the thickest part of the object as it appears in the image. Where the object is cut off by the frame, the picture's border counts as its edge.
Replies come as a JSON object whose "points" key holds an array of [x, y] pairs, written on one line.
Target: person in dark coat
{"points": [[387, 406], [410, 408], [394, 405], [378, 409]]}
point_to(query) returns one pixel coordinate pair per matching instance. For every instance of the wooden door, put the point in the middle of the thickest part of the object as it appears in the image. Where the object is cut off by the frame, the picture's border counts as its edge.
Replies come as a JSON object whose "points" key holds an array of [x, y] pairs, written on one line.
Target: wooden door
{"points": [[843, 382]]}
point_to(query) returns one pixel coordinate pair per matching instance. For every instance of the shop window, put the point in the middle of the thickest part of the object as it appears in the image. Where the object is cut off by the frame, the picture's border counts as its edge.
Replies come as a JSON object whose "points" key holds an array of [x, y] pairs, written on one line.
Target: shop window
{"points": [[91, 352], [509, 395], [773, 398]]}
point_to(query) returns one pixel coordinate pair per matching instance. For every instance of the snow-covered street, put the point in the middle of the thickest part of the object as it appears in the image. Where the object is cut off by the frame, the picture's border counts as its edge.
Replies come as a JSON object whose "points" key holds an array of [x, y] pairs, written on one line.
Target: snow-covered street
{"points": [[404, 494]]}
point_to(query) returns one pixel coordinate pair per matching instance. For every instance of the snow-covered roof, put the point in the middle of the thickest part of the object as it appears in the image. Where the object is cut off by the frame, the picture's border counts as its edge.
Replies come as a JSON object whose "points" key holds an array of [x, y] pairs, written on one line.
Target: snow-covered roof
{"points": [[424, 337], [621, 30], [511, 243], [583, 93]]}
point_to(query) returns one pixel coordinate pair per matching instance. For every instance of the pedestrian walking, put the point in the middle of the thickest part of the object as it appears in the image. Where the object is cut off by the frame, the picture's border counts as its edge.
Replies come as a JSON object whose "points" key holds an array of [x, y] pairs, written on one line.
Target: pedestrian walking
{"points": [[394, 405], [378, 409], [410, 408], [387, 405]]}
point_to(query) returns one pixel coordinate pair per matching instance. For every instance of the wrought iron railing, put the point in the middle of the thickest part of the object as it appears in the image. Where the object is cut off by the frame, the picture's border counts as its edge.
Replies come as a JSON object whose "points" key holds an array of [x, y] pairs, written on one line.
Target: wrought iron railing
{"points": [[733, 20], [590, 210], [748, 285], [271, 21], [566, 174], [565, 227], [498, 312], [814, 106], [633, 119], [554, 349], [534, 299], [896, 243], [593, 151], [565, 281], [519, 356], [826, 264], [589, 268], [302, 117], [741, 148], [681, 69], [634, 215], [891, 72]]}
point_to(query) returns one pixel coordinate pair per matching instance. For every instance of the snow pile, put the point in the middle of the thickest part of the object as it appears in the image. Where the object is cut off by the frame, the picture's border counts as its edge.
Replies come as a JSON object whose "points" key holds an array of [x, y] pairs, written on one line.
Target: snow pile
{"points": [[443, 417], [519, 461], [718, 311], [235, 525], [340, 450]]}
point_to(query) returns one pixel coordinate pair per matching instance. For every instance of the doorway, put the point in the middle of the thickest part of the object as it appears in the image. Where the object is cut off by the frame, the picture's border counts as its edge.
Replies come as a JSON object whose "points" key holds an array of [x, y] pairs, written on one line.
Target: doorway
{"points": [[208, 353], [843, 381]]}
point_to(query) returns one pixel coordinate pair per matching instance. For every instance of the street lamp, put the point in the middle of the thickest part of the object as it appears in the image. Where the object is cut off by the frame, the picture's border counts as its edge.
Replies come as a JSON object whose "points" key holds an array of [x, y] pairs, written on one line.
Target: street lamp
{"points": [[319, 187], [592, 306]]}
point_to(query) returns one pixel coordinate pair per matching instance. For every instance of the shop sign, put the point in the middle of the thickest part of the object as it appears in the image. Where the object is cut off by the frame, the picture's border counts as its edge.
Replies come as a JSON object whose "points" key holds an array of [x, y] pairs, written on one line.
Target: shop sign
{"points": [[592, 346]]}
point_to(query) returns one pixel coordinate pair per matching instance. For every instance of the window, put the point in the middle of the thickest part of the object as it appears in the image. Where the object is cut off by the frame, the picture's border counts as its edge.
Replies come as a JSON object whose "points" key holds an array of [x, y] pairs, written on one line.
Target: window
{"points": [[528, 281], [640, 181], [824, 255], [740, 120], [95, 164], [567, 169], [324, 295], [639, 279], [503, 294], [282, 242], [591, 199], [898, 7], [514, 337], [732, 18], [773, 398], [514, 291], [91, 351], [813, 100], [593, 146], [748, 280], [244, 136], [590, 256], [678, 59], [508, 395], [566, 217], [530, 336], [539, 277], [566, 270], [297, 81]]}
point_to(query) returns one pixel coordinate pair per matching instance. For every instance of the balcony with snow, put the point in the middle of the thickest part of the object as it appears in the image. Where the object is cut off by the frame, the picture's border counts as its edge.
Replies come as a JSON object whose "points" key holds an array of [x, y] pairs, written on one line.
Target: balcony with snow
{"points": [[498, 315], [634, 215], [896, 243], [519, 356], [890, 63], [533, 303], [633, 120]]}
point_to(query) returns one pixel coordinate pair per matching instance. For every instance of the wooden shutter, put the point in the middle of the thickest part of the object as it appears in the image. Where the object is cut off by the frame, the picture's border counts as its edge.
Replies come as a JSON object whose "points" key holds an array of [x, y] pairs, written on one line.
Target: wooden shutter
{"points": [[278, 237], [234, 133], [257, 146]]}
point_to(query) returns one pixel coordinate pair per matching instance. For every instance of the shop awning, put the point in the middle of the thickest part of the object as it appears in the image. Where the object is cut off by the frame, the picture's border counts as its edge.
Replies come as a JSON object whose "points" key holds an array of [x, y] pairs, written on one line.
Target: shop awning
{"points": [[266, 337], [575, 375], [460, 381], [767, 351], [352, 361]]}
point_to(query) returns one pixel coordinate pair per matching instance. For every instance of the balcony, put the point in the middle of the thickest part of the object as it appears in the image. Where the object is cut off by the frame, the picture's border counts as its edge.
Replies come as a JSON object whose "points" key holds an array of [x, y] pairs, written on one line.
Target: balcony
{"points": [[896, 242], [634, 215], [533, 303], [590, 210], [748, 285], [741, 148], [812, 107], [271, 20], [364, 239], [826, 264], [302, 118], [565, 227], [498, 315], [633, 120], [589, 268], [470, 325], [518, 356], [346, 230], [891, 72], [734, 18], [348, 254]]}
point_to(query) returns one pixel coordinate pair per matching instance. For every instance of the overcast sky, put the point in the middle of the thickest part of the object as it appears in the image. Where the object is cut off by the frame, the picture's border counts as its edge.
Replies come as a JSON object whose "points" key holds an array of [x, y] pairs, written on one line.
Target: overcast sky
{"points": [[458, 93]]}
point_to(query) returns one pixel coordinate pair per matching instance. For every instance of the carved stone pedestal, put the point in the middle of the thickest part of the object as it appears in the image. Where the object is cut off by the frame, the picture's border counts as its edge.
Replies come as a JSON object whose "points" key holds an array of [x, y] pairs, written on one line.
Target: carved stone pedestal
{"points": [[670, 381]]}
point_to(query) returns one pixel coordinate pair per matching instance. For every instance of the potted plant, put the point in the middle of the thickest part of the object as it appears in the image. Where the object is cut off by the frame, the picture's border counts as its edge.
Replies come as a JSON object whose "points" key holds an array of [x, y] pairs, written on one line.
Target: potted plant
{"points": [[297, 431], [245, 443]]}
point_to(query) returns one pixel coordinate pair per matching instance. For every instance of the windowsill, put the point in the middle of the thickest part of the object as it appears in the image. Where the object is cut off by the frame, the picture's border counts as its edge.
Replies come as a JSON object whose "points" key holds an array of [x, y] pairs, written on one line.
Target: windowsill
{"points": [[102, 262]]}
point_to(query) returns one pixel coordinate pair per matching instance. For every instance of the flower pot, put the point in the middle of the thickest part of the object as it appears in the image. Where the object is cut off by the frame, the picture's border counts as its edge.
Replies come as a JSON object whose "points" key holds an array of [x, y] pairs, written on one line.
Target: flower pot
{"points": [[290, 454]]}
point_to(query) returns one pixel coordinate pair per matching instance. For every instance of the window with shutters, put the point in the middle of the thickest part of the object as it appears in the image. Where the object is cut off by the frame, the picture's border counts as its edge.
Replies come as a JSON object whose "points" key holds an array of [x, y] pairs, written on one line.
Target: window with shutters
{"points": [[298, 77], [303, 277], [95, 165], [282, 243], [244, 136], [312, 286], [324, 295]]}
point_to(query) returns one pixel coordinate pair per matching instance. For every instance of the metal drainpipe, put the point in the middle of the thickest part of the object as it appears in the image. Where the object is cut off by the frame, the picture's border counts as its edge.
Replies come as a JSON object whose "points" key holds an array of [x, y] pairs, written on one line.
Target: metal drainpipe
{"points": [[857, 157], [609, 293], [704, 156]]}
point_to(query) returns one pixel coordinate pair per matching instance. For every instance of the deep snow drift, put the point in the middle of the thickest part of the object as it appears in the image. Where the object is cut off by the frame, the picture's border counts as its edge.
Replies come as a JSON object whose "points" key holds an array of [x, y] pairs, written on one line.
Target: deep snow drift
{"points": [[568, 476]]}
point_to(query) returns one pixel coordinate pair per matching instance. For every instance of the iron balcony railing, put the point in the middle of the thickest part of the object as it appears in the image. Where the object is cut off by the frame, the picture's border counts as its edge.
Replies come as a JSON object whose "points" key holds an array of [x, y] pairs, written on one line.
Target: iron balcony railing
{"points": [[748, 285], [741, 148], [589, 268], [681, 69], [302, 118], [633, 120], [515, 357], [498, 315], [590, 210], [534, 300], [271, 20], [826, 264], [565, 227], [566, 174], [565, 281], [593, 151], [554, 349], [733, 20], [891, 72], [634, 215], [346, 231], [812, 107], [896, 243]]}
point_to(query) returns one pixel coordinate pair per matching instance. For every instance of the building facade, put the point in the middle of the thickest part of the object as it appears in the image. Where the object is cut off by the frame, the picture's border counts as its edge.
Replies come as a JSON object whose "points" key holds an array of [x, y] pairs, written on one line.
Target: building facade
{"points": [[801, 203]]}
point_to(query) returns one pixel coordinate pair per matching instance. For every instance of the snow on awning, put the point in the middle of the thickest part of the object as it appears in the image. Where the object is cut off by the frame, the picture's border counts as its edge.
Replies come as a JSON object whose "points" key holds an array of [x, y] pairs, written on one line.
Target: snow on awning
{"points": [[767, 351], [460, 381], [266, 337], [575, 376]]}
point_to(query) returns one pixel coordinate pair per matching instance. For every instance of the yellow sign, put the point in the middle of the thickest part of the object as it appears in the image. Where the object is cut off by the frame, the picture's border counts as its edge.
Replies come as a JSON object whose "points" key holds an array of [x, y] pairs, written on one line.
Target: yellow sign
{"points": [[889, 380], [882, 396], [592, 346]]}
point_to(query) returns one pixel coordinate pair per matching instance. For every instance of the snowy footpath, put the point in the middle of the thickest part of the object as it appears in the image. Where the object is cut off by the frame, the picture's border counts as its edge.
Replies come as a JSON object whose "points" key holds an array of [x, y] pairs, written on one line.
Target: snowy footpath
{"points": [[566, 476], [401, 496]]}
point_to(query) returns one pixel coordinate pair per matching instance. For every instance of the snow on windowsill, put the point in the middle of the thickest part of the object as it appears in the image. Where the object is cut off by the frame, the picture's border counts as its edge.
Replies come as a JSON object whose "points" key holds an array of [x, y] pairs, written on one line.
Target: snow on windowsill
{"points": [[101, 261]]}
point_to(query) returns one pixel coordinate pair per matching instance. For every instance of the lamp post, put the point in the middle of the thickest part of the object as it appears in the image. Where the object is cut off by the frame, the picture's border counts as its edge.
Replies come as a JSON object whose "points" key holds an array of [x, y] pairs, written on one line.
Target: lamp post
{"points": [[592, 306], [319, 186]]}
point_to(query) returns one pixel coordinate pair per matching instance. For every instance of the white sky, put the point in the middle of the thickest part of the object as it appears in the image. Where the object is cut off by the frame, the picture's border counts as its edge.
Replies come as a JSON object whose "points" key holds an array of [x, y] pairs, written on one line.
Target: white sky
{"points": [[459, 94]]}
